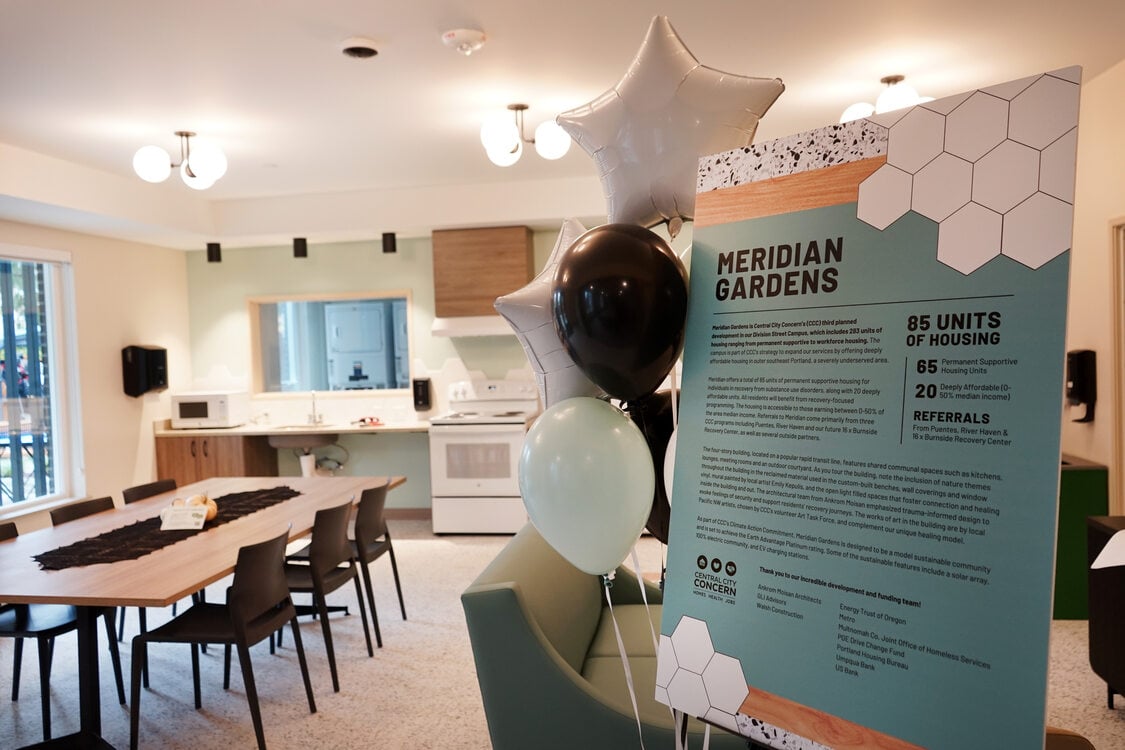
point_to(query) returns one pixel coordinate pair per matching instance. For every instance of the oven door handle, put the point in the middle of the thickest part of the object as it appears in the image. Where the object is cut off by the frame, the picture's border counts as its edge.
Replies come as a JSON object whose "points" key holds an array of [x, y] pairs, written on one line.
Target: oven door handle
{"points": [[477, 429]]}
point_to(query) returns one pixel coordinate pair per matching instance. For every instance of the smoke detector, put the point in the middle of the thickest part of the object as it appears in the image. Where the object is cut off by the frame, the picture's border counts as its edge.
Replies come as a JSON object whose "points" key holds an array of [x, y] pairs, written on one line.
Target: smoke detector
{"points": [[358, 47], [465, 41]]}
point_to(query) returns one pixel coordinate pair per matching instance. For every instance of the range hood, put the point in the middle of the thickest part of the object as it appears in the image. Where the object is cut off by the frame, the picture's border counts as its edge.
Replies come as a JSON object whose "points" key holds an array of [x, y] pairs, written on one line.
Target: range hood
{"points": [[471, 325]]}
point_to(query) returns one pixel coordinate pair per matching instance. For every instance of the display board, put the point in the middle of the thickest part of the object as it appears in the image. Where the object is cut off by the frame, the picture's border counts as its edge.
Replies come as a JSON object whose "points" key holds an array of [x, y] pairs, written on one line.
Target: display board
{"points": [[867, 465]]}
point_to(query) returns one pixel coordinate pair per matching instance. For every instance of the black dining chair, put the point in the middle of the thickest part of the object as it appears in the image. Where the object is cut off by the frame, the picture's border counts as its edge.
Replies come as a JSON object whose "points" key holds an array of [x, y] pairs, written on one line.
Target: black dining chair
{"points": [[141, 491], [73, 512], [258, 603], [330, 565], [371, 539], [81, 509], [132, 495], [43, 622]]}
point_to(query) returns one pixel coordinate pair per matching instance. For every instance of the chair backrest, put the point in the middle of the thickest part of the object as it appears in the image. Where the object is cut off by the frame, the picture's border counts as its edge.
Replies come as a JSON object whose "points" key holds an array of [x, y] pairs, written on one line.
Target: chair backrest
{"points": [[8, 531], [141, 491], [80, 510], [329, 546], [258, 597], [369, 521]]}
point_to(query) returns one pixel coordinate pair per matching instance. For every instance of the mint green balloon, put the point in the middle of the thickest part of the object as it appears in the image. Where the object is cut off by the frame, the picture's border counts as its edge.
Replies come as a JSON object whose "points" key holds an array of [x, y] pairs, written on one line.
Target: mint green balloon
{"points": [[587, 481]]}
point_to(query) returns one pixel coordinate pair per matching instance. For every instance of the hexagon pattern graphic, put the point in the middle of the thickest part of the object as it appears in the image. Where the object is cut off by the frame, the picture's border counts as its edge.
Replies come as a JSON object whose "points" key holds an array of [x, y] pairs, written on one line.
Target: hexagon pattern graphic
{"points": [[696, 679], [994, 168]]}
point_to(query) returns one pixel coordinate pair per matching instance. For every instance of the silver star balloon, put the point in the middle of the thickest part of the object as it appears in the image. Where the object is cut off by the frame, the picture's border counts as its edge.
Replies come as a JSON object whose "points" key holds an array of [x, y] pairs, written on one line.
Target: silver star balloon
{"points": [[647, 133], [528, 312]]}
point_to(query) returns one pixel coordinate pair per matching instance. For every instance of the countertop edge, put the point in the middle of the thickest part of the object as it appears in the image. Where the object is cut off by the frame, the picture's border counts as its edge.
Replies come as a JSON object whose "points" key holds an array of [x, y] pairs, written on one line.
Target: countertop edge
{"points": [[259, 430]]}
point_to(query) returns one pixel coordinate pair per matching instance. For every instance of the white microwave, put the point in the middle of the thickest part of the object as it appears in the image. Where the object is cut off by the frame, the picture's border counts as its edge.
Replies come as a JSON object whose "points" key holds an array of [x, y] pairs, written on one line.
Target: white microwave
{"points": [[209, 409]]}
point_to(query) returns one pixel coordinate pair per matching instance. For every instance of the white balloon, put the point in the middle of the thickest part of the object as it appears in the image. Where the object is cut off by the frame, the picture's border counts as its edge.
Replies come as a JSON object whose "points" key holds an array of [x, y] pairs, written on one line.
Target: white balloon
{"points": [[670, 464], [587, 481], [528, 312], [647, 133]]}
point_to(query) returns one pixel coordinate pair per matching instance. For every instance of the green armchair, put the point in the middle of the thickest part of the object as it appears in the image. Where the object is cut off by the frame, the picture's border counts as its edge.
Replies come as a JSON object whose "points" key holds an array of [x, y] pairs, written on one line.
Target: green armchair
{"points": [[547, 659]]}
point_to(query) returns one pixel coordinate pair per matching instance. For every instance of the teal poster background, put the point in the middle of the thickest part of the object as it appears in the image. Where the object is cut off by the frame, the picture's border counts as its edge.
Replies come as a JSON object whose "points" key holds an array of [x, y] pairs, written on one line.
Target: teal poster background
{"points": [[867, 474]]}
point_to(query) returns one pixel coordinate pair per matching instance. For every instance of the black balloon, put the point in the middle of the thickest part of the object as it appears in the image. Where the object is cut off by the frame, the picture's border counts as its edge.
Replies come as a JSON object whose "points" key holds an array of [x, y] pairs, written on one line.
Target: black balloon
{"points": [[619, 304], [653, 415]]}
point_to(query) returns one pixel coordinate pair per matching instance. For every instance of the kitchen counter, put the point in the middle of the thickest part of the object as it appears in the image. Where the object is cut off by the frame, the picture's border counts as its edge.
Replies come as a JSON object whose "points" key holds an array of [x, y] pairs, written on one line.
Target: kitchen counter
{"points": [[164, 429]]}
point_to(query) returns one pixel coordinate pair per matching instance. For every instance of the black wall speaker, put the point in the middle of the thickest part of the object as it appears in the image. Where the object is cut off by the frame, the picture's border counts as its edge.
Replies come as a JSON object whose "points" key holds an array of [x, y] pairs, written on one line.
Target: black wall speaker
{"points": [[214, 252], [1082, 381], [144, 369], [422, 394], [389, 245], [300, 247]]}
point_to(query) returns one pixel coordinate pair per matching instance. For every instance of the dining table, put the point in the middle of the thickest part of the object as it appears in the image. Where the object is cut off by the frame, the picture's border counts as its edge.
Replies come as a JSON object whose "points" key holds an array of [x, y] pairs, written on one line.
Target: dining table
{"points": [[160, 577]]}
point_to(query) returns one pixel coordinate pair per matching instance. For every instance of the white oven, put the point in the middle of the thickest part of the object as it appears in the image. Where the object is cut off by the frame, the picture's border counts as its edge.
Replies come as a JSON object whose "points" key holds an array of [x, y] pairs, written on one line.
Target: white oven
{"points": [[475, 454]]}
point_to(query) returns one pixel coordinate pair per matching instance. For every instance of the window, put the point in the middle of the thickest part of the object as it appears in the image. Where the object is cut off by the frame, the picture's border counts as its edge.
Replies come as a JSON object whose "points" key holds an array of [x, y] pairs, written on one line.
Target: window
{"points": [[336, 343], [37, 396]]}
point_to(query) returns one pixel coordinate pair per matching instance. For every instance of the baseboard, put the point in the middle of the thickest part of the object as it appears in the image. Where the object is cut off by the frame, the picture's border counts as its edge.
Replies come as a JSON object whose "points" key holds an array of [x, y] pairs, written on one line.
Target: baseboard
{"points": [[408, 514]]}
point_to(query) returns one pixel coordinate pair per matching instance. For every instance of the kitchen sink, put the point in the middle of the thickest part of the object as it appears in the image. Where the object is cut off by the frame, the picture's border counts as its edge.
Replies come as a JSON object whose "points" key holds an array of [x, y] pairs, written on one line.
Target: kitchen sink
{"points": [[305, 441]]}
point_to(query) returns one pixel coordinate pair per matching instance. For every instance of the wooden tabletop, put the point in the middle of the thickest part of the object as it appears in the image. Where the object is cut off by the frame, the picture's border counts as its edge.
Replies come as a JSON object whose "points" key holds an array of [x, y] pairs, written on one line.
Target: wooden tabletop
{"points": [[171, 573]]}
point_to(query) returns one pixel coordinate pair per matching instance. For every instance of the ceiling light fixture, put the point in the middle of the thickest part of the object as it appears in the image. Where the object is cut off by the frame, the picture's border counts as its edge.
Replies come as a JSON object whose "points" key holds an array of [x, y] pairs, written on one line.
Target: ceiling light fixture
{"points": [[359, 47], [503, 139], [896, 95], [199, 167], [465, 41]]}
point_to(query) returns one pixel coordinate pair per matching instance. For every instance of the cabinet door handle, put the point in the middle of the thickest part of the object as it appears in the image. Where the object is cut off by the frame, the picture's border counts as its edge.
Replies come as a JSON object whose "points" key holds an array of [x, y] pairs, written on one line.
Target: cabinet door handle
{"points": [[193, 449], [205, 449]]}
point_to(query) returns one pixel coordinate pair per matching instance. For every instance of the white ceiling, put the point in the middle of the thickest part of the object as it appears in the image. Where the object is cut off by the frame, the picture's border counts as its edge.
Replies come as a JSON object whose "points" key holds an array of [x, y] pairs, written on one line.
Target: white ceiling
{"points": [[90, 82]]}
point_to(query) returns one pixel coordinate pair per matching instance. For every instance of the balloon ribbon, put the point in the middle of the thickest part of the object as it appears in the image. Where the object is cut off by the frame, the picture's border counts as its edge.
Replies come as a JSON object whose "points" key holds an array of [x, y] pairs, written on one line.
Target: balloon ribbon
{"points": [[607, 582]]}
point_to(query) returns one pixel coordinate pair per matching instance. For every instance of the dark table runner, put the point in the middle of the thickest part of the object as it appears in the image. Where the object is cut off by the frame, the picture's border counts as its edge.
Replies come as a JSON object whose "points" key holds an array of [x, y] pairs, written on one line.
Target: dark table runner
{"points": [[140, 538]]}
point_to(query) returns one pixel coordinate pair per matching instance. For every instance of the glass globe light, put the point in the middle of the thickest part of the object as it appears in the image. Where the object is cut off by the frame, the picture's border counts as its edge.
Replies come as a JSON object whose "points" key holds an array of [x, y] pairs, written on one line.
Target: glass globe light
{"points": [[152, 164], [196, 182], [507, 156], [207, 160], [896, 96], [499, 134], [551, 141], [857, 111]]}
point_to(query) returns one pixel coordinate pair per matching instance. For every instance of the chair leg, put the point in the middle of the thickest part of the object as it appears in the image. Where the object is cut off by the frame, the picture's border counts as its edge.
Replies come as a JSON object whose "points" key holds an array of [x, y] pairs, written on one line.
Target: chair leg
{"points": [[226, 666], [362, 610], [322, 607], [304, 665], [398, 584], [114, 654], [17, 661], [366, 572], [195, 675], [120, 624], [251, 694], [45, 686], [140, 656]]}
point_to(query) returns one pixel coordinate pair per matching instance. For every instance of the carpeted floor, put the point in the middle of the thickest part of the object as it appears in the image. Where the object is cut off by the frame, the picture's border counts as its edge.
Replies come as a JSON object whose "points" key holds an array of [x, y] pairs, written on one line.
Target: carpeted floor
{"points": [[419, 691]]}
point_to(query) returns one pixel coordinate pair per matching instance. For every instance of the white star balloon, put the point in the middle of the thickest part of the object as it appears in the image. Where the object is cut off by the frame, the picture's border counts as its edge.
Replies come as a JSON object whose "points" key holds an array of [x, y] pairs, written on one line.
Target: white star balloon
{"points": [[528, 311], [647, 133]]}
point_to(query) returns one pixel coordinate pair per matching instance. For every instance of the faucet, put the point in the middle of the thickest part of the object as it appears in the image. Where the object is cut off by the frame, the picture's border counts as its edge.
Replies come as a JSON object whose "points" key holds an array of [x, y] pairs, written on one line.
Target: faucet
{"points": [[314, 417]]}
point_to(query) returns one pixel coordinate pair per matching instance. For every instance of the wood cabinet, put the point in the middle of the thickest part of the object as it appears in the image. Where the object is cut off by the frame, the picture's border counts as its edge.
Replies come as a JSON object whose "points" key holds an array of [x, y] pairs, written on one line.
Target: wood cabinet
{"points": [[472, 267], [190, 458]]}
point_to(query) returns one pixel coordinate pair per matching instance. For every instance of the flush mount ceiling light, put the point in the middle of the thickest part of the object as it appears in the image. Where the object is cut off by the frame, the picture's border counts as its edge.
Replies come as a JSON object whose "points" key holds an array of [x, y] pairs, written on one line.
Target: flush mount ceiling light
{"points": [[200, 165], [896, 95], [503, 138], [359, 47], [465, 41]]}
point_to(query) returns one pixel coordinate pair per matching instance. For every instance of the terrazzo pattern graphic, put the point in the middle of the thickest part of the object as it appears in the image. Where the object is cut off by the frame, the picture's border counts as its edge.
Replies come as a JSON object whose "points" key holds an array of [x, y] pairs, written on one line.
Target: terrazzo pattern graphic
{"points": [[815, 149]]}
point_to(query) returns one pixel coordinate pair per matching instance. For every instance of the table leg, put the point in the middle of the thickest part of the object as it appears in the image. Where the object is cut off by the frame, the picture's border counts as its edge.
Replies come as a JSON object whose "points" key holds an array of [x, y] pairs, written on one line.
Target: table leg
{"points": [[89, 691]]}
